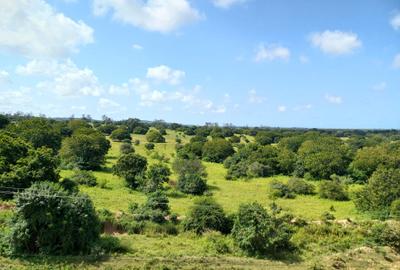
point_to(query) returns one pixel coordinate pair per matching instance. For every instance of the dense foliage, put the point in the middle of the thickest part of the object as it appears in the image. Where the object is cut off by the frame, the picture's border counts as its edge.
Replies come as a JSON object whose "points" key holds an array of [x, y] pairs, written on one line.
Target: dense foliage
{"points": [[49, 220], [132, 168], [120, 134], [217, 150], [154, 136]]}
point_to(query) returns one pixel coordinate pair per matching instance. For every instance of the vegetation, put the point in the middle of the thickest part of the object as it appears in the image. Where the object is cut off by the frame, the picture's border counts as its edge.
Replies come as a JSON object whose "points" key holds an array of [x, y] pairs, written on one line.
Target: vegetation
{"points": [[131, 167], [154, 136]]}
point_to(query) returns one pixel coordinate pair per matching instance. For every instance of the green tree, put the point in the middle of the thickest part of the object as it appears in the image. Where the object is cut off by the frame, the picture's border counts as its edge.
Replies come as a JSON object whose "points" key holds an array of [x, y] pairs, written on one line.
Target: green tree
{"points": [[120, 134], [258, 232], [378, 194], [126, 148], [154, 136], [217, 150], [132, 168], [192, 184], [85, 149], [48, 220], [157, 174], [333, 190], [206, 214], [4, 121], [324, 156]]}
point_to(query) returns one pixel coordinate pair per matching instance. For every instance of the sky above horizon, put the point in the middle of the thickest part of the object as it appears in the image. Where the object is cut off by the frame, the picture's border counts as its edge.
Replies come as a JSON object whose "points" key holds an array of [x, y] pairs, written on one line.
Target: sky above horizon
{"points": [[303, 63]]}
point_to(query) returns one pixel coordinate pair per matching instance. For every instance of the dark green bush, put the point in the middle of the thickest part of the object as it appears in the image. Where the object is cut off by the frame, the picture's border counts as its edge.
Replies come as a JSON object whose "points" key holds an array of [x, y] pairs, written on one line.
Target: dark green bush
{"points": [[206, 214], [300, 186], [395, 209], [86, 178], [131, 167], [188, 166], [280, 190], [155, 209], [49, 220], [217, 150], [120, 134], [149, 146], [154, 136], [386, 234], [157, 174], [259, 233], [333, 190], [192, 184], [126, 148]]}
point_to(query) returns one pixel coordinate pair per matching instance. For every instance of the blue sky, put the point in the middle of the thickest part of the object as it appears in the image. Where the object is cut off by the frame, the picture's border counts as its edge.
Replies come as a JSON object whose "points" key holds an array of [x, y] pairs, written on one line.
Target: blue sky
{"points": [[331, 64]]}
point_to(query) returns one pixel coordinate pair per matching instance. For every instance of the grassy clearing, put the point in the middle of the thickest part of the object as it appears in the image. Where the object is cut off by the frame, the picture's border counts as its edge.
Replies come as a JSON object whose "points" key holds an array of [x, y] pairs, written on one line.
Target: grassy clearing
{"points": [[230, 194]]}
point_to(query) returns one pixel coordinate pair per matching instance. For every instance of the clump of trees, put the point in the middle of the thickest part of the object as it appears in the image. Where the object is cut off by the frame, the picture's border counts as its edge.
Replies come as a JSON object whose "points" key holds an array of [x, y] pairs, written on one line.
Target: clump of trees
{"points": [[191, 176], [21, 165], [132, 168], [258, 232], [85, 149], [48, 220], [154, 136], [217, 150], [120, 134], [156, 208]]}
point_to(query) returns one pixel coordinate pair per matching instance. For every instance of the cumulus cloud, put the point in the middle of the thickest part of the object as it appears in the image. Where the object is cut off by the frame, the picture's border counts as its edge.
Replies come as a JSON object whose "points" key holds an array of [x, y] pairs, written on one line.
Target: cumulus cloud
{"points": [[227, 3], [282, 108], [117, 90], [32, 28], [165, 74], [254, 97], [15, 100], [153, 15], [137, 46], [64, 78], [396, 61], [336, 42], [272, 52], [4, 76], [333, 99], [395, 21]]}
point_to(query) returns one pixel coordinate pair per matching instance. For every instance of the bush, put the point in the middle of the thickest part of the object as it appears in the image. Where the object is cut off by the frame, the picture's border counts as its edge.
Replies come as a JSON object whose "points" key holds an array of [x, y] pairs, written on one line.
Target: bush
{"points": [[149, 146], [157, 174], [155, 209], [206, 214], [378, 194], [395, 209], [300, 186], [258, 233], [140, 130], [333, 190], [50, 221], [217, 150], [126, 148], [131, 167], [110, 244], [120, 134], [136, 142], [280, 190], [84, 178], [153, 136], [188, 166], [386, 234], [192, 184]]}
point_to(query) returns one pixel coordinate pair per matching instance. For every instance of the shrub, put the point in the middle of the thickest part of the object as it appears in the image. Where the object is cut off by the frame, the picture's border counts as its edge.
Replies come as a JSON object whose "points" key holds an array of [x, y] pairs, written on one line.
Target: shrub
{"points": [[257, 232], [48, 220], [155, 209], [217, 150], [126, 148], [84, 178], [206, 214], [120, 134], [280, 190], [149, 146], [157, 174], [300, 186], [192, 184], [333, 190], [153, 136], [69, 185], [386, 234], [110, 244], [131, 167], [140, 130], [136, 142], [378, 194], [395, 209], [188, 166]]}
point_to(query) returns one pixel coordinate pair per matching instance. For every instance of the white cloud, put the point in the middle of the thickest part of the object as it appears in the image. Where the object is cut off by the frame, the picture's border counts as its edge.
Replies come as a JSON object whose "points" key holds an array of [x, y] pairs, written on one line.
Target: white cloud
{"points": [[336, 42], [65, 78], [165, 74], [227, 3], [137, 46], [396, 61], [254, 97], [333, 99], [18, 100], [379, 86], [302, 107], [153, 15], [304, 59], [122, 90], [33, 29], [105, 103], [272, 52], [282, 108], [395, 21], [4, 76]]}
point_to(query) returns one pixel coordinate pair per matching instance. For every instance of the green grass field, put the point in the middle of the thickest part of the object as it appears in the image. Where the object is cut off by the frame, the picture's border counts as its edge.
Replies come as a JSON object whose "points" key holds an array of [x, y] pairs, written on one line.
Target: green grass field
{"points": [[186, 250]]}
